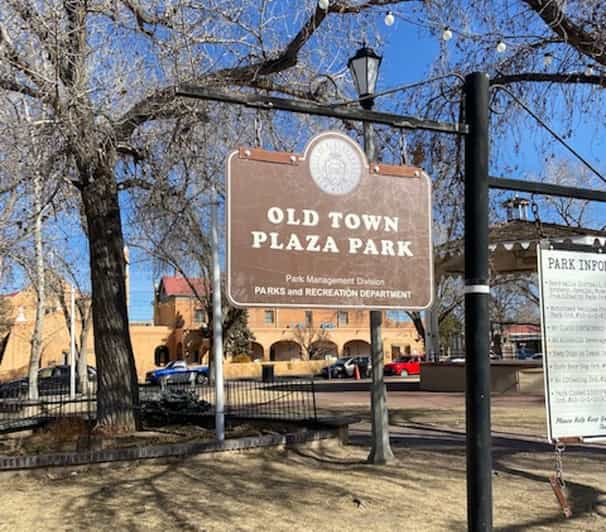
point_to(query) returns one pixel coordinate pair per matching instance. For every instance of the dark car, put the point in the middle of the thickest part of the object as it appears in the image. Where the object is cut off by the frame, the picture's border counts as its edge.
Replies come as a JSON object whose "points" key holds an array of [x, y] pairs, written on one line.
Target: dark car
{"points": [[51, 380], [345, 367], [178, 371]]}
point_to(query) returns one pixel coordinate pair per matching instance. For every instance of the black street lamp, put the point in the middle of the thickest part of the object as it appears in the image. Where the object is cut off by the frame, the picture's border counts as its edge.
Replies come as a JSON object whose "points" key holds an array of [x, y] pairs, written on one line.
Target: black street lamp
{"points": [[364, 68]]}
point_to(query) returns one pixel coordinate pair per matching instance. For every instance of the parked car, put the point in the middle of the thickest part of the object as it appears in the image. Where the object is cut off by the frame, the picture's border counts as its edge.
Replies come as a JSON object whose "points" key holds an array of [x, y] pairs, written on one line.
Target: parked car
{"points": [[403, 366], [177, 371], [51, 380], [345, 367]]}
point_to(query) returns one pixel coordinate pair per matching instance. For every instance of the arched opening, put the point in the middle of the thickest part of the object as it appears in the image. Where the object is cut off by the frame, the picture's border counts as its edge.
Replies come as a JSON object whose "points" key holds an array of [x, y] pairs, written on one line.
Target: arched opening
{"points": [[161, 355], [356, 348], [256, 351], [285, 350], [323, 349]]}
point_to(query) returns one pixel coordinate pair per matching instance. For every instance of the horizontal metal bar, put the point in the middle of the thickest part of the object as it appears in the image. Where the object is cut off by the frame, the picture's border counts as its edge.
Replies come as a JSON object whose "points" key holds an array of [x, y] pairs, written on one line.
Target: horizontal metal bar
{"points": [[548, 189], [310, 108]]}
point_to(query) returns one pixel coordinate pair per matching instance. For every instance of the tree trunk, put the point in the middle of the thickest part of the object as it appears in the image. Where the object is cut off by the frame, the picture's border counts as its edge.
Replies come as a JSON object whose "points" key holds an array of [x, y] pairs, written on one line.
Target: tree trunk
{"points": [[36, 341], [417, 321], [117, 388]]}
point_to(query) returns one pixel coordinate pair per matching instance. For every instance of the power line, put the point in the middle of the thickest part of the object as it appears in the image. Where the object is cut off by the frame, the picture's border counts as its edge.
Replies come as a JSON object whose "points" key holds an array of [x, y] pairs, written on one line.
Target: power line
{"points": [[552, 132]]}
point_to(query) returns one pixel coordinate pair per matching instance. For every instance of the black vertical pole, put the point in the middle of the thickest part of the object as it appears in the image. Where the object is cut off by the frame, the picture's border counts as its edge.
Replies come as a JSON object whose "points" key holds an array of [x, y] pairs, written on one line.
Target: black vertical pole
{"points": [[477, 366]]}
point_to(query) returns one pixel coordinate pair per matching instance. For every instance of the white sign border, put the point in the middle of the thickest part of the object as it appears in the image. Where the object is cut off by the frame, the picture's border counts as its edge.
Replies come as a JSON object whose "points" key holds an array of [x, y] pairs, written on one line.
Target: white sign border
{"points": [[228, 291], [578, 248]]}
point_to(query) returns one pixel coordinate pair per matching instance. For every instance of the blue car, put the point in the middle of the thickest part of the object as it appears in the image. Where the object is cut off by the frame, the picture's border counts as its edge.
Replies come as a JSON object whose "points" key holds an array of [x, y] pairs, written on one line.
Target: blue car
{"points": [[178, 371]]}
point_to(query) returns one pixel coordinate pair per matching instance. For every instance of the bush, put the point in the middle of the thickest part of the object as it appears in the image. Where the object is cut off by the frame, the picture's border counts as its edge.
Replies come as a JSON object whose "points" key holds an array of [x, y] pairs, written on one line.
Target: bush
{"points": [[241, 358]]}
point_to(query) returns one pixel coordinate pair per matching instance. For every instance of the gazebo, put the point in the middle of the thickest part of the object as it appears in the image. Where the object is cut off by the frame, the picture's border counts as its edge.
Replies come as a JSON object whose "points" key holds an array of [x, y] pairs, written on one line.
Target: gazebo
{"points": [[512, 250]]}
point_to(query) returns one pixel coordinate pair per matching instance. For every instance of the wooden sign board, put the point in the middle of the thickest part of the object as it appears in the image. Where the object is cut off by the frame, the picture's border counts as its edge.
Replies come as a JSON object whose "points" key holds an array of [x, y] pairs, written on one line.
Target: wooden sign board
{"points": [[325, 229], [573, 321]]}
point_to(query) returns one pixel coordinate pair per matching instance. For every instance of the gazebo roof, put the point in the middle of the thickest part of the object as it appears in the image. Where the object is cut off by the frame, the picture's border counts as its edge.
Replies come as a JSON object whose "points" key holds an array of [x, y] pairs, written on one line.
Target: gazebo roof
{"points": [[512, 246]]}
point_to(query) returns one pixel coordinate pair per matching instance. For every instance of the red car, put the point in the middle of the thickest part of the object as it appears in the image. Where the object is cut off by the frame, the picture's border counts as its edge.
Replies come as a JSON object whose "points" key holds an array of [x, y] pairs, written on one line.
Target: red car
{"points": [[403, 366]]}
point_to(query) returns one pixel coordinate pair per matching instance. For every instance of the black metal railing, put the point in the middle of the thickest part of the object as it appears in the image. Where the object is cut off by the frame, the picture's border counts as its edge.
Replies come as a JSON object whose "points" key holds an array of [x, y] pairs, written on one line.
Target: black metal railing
{"points": [[280, 399]]}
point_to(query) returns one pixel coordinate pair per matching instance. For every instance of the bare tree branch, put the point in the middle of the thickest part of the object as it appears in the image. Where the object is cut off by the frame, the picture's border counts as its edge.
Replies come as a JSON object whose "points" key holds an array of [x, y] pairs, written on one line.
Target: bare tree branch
{"points": [[549, 77], [588, 43]]}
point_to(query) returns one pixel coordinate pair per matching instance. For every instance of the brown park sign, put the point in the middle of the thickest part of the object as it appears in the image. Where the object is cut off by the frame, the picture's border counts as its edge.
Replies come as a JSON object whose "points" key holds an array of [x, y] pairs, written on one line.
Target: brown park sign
{"points": [[324, 229]]}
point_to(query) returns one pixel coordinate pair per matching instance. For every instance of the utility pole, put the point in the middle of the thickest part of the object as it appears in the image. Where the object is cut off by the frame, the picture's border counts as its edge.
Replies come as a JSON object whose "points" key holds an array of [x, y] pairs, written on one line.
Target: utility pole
{"points": [[477, 290]]}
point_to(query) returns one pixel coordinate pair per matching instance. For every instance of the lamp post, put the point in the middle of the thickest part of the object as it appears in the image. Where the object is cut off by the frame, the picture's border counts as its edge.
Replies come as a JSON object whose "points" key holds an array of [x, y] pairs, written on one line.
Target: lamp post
{"points": [[364, 68]]}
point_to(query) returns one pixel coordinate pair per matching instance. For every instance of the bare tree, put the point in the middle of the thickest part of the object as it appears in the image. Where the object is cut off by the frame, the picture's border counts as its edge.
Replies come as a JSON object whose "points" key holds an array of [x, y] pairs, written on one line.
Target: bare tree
{"points": [[62, 279], [314, 340], [38, 278], [112, 108]]}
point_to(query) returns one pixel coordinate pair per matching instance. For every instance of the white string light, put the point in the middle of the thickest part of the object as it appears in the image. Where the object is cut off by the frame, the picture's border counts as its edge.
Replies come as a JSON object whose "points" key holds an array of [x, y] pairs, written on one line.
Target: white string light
{"points": [[589, 70], [547, 59], [501, 47], [389, 19], [323, 4], [447, 34]]}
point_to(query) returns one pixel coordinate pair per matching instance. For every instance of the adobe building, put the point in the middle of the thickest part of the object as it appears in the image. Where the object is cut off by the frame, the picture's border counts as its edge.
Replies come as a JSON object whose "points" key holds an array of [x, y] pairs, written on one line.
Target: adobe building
{"points": [[296, 341], [15, 346], [281, 335]]}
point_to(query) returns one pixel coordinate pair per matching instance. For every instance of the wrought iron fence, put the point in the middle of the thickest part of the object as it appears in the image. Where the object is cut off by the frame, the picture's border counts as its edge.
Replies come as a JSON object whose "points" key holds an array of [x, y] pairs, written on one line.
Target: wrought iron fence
{"points": [[281, 399]]}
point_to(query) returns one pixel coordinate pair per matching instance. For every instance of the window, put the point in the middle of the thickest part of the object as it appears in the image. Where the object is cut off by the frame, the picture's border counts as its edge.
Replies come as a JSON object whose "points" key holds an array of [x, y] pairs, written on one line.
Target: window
{"points": [[161, 355], [198, 315], [342, 319], [268, 317], [45, 373], [309, 318], [396, 352]]}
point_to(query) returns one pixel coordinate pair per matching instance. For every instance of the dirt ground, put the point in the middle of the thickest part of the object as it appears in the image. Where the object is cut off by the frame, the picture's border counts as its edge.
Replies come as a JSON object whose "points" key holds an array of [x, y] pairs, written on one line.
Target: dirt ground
{"points": [[328, 487]]}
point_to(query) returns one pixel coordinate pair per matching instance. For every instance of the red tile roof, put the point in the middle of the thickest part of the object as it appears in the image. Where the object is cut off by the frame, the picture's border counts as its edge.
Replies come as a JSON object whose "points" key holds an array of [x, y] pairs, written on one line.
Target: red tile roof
{"points": [[523, 329], [179, 286], [11, 294]]}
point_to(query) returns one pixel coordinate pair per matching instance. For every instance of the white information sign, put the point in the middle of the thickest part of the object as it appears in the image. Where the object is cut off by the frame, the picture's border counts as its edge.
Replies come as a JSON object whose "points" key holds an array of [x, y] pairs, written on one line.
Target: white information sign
{"points": [[573, 318]]}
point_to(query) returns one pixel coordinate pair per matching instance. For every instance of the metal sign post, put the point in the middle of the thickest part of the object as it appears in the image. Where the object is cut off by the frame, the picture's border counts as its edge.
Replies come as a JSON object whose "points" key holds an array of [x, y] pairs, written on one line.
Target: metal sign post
{"points": [[217, 324], [380, 450], [72, 350], [477, 290]]}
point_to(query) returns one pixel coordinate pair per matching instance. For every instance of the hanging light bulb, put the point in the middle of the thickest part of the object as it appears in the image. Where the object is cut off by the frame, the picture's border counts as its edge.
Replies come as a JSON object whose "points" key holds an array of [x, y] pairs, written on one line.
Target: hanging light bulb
{"points": [[501, 47], [589, 70], [323, 4], [547, 59], [389, 19], [447, 34]]}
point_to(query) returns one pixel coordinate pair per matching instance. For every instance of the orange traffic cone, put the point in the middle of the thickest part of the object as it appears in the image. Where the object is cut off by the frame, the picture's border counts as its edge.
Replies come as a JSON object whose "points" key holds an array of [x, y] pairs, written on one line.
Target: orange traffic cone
{"points": [[357, 372]]}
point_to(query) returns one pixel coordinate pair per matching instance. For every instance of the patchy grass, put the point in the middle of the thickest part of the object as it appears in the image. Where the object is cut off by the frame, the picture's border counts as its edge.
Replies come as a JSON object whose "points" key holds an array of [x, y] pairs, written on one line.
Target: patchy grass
{"points": [[526, 420], [327, 488]]}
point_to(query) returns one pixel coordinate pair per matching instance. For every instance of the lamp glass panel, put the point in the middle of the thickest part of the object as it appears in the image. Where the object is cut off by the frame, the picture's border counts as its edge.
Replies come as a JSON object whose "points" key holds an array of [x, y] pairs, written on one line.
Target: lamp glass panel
{"points": [[372, 71], [359, 73]]}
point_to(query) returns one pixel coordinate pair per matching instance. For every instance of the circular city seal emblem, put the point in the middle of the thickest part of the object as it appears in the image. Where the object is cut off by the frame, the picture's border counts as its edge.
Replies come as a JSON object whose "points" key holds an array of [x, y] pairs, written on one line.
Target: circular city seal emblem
{"points": [[336, 163]]}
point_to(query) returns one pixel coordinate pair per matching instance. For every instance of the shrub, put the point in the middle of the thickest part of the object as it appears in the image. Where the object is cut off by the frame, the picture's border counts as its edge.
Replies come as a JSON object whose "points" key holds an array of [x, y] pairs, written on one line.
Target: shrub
{"points": [[241, 358]]}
